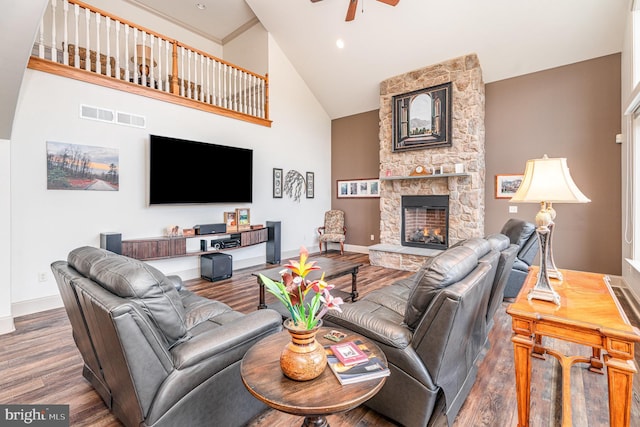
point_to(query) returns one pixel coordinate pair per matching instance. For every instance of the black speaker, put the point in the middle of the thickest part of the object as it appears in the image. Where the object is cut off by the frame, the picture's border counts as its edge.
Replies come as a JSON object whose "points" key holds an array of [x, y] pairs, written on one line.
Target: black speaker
{"points": [[273, 242], [203, 245], [111, 242], [216, 266], [211, 228]]}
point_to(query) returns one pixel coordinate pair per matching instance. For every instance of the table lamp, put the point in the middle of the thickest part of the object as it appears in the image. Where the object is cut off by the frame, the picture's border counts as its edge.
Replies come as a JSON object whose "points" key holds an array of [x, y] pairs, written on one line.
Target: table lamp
{"points": [[547, 181]]}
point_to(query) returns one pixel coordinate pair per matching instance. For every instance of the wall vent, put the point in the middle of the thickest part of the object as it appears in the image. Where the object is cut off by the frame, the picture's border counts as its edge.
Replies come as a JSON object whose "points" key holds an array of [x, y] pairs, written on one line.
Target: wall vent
{"points": [[131, 120], [110, 116], [95, 113]]}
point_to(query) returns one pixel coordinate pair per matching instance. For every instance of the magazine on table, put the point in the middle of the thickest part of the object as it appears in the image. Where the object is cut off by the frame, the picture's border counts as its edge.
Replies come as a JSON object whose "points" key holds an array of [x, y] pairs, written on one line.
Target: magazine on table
{"points": [[370, 369]]}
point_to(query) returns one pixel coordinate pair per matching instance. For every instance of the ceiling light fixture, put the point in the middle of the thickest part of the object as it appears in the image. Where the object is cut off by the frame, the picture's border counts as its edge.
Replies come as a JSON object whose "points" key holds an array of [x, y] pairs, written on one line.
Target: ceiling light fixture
{"points": [[201, 6], [340, 43]]}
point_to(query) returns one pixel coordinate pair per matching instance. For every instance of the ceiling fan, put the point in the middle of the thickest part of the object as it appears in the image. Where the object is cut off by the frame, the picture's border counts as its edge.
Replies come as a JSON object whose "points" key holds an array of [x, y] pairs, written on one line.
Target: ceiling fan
{"points": [[353, 5]]}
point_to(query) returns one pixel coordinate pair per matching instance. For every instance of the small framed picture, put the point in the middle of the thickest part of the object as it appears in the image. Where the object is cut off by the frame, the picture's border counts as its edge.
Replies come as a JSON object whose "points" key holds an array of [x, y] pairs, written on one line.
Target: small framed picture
{"points": [[507, 185], [277, 183], [310, 185], [358, 188], [230, 221], [243, 220]]}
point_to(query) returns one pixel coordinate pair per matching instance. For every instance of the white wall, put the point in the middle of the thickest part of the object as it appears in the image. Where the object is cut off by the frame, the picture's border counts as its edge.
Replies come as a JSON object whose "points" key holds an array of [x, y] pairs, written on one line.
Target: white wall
{"points": [[47, 224], [6, 320]]}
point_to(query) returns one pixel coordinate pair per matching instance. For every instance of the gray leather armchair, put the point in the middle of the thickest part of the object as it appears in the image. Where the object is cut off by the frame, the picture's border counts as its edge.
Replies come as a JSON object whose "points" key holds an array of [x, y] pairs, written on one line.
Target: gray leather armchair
{"points": [[429, 327], [523, 234], [158, 354]]}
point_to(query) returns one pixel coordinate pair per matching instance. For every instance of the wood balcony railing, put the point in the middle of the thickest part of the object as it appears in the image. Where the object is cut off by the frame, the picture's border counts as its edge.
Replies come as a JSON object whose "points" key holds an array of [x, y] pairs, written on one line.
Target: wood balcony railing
{"points": [[79, 41]]}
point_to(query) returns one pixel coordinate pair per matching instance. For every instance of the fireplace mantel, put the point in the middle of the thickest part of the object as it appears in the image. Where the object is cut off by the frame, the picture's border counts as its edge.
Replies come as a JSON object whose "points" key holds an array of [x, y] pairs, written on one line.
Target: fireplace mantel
{"points": [[442, 175]]}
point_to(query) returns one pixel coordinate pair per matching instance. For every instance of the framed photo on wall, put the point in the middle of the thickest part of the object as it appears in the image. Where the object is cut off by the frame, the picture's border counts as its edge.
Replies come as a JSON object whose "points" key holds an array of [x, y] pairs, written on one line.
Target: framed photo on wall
{"points": [[507, 185], [358, 188], [422, 118], [277, 183], [310, 185]]}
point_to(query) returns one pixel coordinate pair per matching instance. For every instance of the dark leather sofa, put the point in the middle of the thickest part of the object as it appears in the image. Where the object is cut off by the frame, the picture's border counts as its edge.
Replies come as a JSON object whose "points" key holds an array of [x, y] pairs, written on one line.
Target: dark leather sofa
{"points": [[158, 354], [433, 327], [522, 234]]}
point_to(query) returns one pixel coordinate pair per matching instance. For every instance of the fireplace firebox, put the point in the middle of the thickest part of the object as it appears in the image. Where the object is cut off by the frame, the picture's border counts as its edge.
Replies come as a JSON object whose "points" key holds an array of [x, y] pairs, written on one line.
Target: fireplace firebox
{"points": [[425, 221]]}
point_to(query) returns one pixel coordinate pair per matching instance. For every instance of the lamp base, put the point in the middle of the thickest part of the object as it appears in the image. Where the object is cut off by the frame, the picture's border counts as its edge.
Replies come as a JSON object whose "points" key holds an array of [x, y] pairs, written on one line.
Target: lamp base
{"points": [[544, 295]]}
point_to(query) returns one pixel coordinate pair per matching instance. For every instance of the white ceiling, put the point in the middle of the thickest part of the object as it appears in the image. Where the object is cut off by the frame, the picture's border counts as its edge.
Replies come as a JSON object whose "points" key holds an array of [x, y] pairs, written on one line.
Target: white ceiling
{"points": [[510, 37]]}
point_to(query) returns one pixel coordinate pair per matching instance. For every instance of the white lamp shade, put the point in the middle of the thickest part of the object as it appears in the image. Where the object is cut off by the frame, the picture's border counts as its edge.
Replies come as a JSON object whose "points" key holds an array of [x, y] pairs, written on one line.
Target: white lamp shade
{"points": [[548, 180]]}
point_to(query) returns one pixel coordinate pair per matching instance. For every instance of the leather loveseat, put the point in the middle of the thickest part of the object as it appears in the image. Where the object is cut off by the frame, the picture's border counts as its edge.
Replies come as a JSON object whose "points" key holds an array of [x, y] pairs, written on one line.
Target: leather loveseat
{"points": [[158, 354], [433, 327]]}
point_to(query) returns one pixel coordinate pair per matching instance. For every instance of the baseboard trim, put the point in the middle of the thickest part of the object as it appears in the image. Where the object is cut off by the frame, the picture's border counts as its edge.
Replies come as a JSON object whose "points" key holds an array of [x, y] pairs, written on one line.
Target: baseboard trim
{"points": [[357, 249], [36, 305], [6, 325]]}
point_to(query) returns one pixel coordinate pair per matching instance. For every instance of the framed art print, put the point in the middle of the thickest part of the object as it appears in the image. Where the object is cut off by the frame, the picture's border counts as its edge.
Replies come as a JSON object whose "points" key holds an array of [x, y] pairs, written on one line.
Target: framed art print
{"points": [[277, 183], [310, 185], [507, 185]]}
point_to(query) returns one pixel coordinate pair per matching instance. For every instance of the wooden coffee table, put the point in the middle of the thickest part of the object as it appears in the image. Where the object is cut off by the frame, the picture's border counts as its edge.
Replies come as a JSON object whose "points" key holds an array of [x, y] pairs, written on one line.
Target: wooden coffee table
{"points": [[314, 399], [331, 268]]}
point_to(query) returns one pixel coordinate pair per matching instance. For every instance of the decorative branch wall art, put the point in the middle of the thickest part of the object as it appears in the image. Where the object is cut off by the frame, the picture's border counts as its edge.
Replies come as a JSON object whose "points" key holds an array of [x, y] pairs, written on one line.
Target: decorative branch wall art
{"points": [[294, 185]]}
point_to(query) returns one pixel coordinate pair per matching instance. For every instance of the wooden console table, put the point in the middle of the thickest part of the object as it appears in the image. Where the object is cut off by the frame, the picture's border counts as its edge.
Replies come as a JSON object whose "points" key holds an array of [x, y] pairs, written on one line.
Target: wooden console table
{"points": [[588, 314]]}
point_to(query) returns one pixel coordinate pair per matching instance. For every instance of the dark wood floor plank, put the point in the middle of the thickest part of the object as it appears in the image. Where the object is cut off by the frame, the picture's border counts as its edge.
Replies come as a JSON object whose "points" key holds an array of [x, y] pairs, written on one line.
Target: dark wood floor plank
{"points": [[39, 363]]}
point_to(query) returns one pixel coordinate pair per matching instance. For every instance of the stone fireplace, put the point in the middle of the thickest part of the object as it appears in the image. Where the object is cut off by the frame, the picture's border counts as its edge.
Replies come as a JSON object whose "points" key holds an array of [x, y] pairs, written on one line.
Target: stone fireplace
{"points": [[464, 191], [425, 222]]}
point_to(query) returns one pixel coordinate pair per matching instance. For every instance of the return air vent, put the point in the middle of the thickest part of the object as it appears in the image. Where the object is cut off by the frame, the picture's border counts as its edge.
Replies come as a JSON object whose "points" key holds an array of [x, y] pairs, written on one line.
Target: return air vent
{"points": [[110, 116], [95, 113], [131, 120]]}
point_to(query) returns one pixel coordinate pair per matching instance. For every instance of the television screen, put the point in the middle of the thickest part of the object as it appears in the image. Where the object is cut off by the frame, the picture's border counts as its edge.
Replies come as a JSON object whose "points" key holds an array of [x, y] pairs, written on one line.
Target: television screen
{"points": [[182, 171]]}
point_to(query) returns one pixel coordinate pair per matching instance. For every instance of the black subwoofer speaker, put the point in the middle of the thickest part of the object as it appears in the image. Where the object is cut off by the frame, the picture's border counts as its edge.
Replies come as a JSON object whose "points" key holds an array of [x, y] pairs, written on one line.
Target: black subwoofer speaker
{"points": [[273, 242], [216, 266], [111, 242]]}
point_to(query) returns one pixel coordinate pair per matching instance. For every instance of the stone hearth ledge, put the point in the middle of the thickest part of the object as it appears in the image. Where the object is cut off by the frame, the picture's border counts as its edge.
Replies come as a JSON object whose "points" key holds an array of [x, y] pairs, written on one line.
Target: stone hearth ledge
{"points": [[400, 257]]}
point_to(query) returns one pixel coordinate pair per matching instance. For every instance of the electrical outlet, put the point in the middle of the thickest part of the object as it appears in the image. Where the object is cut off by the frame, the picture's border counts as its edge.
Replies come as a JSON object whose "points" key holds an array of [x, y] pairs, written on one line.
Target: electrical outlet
{"points": [[373, 237], [42, 277], [513, 209]]}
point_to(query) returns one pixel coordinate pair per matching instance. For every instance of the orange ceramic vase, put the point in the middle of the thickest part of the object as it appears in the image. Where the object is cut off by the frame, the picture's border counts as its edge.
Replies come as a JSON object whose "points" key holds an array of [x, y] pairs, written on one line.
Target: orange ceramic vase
{"points": [[303, 358]]}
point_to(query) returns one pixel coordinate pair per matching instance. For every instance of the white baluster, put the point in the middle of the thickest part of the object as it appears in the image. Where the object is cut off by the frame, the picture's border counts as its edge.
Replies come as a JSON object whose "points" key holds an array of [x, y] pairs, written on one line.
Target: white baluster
{"points": [[65, 36], [160, 44], [136, 75], [53, 29], [226, 84], [219, 87], [117, 44], [152, 43], [98, 61], [181, 74], [41, 42], [143, 54], [76, 55], [108, 41], [127, 74], [167, 54], [189, 78], [87, 58]]}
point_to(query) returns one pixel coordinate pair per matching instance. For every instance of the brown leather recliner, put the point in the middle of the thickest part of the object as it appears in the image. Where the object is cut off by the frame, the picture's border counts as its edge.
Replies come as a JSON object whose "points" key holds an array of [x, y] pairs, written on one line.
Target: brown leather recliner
{"points": [[158, 354]]}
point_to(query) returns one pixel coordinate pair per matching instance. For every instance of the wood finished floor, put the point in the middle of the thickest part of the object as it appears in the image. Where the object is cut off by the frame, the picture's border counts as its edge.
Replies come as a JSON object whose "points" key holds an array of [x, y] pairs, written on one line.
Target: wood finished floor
{"points": [[40, 364]]}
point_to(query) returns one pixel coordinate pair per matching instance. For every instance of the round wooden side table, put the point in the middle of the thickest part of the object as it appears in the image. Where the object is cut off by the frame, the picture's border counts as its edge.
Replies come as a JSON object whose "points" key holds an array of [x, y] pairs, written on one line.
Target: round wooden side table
{"points": [[314, 399]]}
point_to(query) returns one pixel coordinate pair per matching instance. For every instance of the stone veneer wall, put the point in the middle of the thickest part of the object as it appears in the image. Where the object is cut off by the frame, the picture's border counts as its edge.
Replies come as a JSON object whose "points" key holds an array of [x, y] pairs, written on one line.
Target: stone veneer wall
{"points": [[466, 194]]}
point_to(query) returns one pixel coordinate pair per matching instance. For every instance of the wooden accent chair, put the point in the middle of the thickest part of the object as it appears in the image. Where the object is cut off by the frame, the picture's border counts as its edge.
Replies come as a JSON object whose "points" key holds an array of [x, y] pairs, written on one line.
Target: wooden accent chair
{"points": [[333, 230]]}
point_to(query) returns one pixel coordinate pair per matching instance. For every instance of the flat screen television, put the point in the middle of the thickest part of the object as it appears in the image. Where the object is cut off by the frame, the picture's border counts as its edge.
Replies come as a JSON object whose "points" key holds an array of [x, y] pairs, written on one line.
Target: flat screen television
{"points": [[182, 172]]}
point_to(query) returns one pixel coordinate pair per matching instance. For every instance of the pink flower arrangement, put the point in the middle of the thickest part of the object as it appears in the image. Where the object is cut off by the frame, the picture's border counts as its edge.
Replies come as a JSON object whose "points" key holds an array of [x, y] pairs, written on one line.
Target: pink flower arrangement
{"points": [[294, 287]]}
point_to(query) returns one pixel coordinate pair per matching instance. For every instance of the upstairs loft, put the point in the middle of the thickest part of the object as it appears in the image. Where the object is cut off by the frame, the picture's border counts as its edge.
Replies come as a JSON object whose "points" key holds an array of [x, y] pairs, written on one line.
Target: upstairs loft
{"points": [[73, 35]]}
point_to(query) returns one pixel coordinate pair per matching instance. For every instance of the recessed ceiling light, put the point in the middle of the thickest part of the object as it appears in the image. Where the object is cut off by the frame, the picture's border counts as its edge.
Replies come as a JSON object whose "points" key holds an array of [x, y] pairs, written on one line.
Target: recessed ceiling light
{"points": [[201, 6], [340, 43]]}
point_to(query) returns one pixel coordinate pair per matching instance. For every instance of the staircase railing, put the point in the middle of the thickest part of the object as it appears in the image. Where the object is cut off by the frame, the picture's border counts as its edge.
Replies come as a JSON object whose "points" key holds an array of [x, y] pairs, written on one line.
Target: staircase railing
{"points": [[82, 42]]}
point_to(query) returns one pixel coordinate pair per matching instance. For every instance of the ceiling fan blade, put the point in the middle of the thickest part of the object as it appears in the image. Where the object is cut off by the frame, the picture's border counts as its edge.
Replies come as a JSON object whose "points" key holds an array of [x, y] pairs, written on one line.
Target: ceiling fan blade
{"points": [[351, 12], [315, 1], [389, 2]]}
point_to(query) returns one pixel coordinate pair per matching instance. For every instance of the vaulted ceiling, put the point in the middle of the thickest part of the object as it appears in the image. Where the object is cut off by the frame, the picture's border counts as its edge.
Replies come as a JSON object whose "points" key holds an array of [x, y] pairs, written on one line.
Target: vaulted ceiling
{"points": [[511, 37]]}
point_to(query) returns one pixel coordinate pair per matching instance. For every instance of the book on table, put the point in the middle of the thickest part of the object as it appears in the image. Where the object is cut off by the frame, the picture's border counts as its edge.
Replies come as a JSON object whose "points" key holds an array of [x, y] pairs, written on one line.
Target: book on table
{"points": [[371, 368], [349, 353]]}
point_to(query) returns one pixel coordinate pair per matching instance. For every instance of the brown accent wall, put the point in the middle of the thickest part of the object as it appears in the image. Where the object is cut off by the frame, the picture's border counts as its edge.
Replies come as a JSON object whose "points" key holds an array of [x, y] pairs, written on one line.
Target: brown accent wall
{"points": [[355, 154], [574, 112]]}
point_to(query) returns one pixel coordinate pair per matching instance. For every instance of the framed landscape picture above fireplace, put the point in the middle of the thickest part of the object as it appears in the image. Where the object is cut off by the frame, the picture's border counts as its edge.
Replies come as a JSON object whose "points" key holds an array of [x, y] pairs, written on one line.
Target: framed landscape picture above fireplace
{"points": [[422, 118]]}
